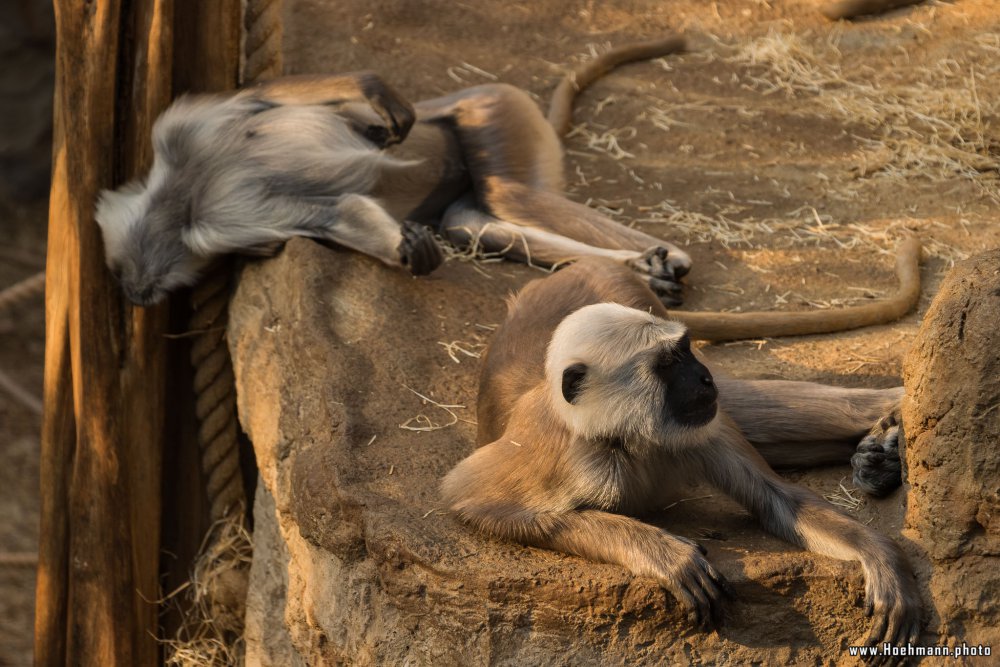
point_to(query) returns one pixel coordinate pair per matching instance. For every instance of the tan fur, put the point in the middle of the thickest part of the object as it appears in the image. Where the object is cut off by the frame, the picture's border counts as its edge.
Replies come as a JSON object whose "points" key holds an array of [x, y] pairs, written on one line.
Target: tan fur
{"points": [[579, 427], [851, 9], [346, 159]]}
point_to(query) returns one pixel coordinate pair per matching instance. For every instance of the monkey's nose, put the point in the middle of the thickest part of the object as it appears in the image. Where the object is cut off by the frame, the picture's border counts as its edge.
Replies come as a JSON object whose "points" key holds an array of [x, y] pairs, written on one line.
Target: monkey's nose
{"points": [[707, 380]]}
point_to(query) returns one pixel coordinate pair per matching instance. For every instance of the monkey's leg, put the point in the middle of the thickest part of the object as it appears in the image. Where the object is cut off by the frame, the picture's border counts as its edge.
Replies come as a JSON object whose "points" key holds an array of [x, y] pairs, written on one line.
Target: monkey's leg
{"points": [[466, 226], [503, 135], [392, 108], [799, 516], [804, 423], [799, 424], [515, 160]]}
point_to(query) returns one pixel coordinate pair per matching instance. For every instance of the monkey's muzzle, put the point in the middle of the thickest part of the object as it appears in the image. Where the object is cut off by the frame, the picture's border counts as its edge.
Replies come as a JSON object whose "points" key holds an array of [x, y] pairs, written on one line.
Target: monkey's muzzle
{"points": [[691, 394]]}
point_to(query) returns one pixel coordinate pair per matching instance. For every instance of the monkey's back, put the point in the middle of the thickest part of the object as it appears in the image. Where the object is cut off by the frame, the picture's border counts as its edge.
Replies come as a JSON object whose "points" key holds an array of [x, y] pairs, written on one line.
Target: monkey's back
{"points": [[515, 359]]}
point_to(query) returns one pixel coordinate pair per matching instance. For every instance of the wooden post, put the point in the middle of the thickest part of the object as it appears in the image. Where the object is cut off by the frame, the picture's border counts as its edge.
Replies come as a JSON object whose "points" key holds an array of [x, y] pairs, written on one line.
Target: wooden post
{"points": [[98, 568]]}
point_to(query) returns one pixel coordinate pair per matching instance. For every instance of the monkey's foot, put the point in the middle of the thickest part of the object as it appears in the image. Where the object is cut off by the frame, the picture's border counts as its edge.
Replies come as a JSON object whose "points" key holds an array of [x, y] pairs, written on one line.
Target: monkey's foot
{"points": [[877, 468], [661, 274], [419, 252], [392, 108]]}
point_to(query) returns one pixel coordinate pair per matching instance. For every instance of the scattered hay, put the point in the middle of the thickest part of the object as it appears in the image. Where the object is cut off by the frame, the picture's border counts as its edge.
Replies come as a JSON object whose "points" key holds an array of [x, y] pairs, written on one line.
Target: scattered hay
{"points": [[933, 127], [685, 500], [424, 423], [467, 73], [213, 606], [845, 498], [605, 141], [456, 347]]}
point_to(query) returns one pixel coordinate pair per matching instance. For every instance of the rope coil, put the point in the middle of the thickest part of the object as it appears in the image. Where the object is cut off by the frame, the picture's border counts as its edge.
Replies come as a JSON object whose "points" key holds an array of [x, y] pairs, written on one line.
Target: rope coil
{"points": [[214, 383]]}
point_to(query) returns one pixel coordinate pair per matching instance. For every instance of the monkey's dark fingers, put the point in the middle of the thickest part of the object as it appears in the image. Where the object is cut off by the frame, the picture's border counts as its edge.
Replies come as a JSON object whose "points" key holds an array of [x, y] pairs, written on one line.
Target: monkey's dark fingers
{"points": [[700, 615], [880, 622], [700, 581], [717, 589], [668, 292], [419, 251], [876, 463]]}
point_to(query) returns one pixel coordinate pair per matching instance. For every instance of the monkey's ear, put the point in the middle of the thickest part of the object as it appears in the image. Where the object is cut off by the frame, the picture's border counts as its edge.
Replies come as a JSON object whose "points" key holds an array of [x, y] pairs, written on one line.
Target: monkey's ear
{"points": [[572, 380]]}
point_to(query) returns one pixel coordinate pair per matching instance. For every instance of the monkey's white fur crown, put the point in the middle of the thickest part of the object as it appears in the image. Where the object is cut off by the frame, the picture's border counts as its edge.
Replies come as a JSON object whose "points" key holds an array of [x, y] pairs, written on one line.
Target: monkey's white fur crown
{"points": [[118, 211], [604, 337]]}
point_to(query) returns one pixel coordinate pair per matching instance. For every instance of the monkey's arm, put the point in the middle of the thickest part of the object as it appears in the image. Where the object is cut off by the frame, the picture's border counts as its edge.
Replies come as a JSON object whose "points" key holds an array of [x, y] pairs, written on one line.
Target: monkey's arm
{"points": [[392, 108], [482, 491], [354, 221], [799, 516]]}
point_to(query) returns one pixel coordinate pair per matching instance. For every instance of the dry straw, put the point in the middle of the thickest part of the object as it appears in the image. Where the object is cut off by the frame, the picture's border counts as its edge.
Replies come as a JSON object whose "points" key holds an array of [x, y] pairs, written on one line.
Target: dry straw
{"points": [[212, 604], [927, 120], [930, 122]]}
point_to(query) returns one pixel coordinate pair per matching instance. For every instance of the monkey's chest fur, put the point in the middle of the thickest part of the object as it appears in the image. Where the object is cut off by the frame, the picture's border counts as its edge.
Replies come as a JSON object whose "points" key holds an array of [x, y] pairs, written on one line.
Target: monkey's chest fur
{"points": [[615, 477]]}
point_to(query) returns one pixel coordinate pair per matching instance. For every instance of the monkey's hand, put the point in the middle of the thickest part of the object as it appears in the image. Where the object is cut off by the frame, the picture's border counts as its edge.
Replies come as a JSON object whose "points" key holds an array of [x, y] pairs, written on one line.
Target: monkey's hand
{"points": [[418, 251], [661, 275], [679, 564], [397, 113], [893, 604], [876, 462]]}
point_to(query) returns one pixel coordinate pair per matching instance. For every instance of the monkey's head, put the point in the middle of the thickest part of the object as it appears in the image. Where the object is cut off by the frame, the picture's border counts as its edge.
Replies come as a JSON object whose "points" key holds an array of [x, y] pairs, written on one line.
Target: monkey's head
{"points": [[144, 242], [618, 372]]}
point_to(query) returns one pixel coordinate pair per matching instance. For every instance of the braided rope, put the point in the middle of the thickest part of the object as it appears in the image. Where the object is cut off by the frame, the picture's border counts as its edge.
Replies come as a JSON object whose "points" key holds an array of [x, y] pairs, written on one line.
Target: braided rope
{"points": [[215, 392], [27, 289], [262, 49], [215, 395]]}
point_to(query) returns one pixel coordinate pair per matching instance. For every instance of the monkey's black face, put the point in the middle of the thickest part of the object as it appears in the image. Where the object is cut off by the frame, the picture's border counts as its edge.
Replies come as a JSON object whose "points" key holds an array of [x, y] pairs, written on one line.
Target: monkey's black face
{"points": [[690, 394]]}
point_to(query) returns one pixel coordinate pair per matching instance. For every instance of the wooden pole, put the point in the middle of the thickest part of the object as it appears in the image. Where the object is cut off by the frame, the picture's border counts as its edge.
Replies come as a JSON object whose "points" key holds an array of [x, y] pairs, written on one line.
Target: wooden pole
{"points": [[104, 360]]}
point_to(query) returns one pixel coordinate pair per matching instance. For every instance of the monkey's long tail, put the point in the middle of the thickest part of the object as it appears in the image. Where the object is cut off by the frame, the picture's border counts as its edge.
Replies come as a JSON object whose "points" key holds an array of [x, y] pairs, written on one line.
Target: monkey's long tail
{"points": [[561, 106], [850, 9], [737, 326]]}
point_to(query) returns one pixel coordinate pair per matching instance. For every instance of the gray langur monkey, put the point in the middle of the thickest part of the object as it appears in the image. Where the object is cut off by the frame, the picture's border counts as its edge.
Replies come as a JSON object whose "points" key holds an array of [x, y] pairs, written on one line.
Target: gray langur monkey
{"points": [[593, 408], [325, 157]]}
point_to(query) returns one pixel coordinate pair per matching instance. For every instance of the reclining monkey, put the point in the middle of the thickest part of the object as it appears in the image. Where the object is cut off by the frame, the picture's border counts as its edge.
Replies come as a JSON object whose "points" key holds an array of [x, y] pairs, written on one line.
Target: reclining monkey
{"points": [[325, 156], [593, 407]]}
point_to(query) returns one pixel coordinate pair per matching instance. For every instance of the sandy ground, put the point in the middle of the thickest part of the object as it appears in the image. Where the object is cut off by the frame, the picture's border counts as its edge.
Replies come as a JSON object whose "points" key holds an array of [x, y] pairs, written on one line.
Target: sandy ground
{"points": [[786, 153]]}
